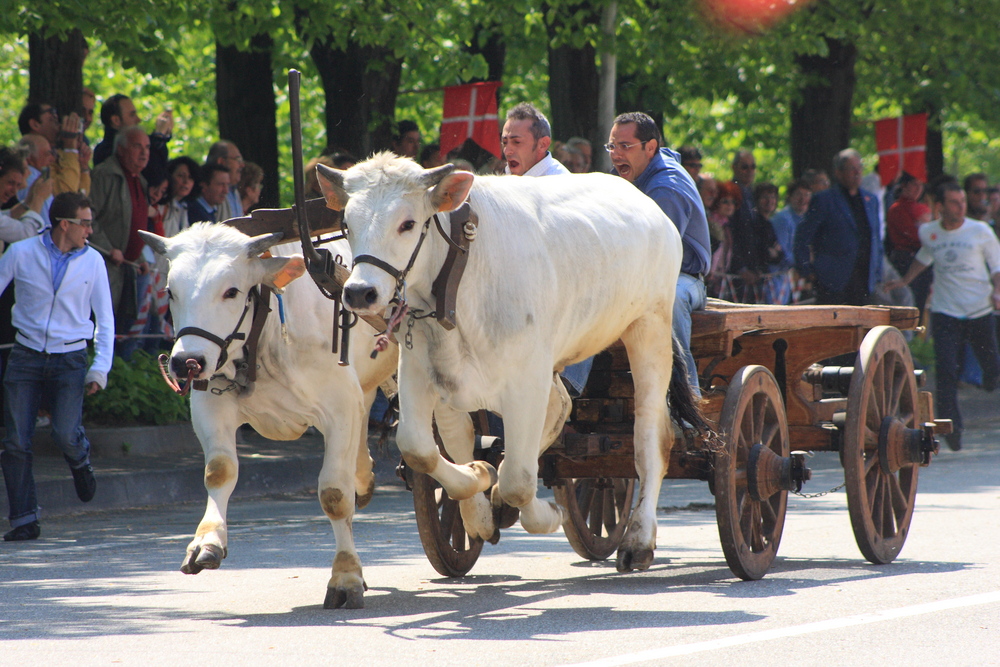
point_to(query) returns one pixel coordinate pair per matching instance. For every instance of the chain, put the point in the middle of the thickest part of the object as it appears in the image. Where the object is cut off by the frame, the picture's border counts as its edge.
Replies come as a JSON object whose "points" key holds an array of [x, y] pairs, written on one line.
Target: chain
{"points": [[413, 317], [820, 494]]}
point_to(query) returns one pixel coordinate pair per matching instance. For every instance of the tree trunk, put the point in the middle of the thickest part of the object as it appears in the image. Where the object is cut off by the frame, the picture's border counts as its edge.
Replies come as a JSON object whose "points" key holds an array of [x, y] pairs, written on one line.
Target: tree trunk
{"points": [[934, 151], [601, 159], [574, 84], [489, 43], [56, 71], [244, 95], [821, 119], [361, 84]]}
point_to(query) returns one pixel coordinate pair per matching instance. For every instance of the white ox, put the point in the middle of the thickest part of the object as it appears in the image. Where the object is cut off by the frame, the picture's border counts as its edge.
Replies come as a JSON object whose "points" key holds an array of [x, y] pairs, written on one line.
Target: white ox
{"points": [[299, 384], [561, 268]]}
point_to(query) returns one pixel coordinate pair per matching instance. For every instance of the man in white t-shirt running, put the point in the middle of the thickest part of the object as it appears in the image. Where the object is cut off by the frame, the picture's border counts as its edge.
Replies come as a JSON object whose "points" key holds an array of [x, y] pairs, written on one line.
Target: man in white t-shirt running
{"points": [[965, 292]]}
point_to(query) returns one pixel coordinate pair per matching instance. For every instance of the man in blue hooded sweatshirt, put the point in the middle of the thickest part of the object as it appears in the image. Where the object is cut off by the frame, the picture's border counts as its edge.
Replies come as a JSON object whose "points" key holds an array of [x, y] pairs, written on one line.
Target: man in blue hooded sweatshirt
{"points": [[638, 157]]}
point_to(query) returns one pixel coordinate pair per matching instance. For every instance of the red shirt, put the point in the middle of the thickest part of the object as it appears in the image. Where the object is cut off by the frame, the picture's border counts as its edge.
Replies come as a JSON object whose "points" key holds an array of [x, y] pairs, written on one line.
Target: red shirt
{"points": [[140, 217], [901, 224]]}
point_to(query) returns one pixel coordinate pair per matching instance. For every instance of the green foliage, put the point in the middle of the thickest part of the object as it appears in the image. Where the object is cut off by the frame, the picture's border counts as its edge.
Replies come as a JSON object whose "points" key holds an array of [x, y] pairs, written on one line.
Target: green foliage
{"points": [[715, 89], [922, 350], [136, 394]]}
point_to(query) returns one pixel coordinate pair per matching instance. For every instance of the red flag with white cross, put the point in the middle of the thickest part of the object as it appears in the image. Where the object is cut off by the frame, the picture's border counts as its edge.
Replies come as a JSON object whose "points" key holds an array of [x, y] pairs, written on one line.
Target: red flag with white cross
{"points": [[470, 111], [902, 146]]}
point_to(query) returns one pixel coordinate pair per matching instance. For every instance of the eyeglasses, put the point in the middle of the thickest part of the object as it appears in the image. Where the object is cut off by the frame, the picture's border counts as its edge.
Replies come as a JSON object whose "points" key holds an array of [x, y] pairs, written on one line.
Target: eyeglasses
{"points": [[83, 222], [748, 167], [51, 110], [622, 146]]}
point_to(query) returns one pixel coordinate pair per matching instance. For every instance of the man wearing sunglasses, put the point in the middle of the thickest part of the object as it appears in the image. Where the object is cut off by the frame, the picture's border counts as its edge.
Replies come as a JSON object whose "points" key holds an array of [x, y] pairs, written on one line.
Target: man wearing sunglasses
{"points": [[59, 282], [656, 171]]}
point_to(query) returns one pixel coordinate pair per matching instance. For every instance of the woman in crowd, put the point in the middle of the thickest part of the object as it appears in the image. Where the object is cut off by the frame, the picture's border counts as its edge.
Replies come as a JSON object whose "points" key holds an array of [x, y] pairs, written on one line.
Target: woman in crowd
{"points": [[719, 212], [756, 250], [251, 182], [182, 174], [23, 219]]}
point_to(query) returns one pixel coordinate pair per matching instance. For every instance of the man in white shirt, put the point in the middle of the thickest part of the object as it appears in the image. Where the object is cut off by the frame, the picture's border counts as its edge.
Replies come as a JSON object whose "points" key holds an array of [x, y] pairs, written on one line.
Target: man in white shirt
{"points": [[59, 282], [966, 291], [525, 141]]}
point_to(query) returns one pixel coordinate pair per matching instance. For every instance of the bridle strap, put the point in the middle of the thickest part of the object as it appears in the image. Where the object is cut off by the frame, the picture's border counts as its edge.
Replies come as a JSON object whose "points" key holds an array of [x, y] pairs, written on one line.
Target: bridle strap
{"points": [[400, 276], [223, 343], [385, 266]]}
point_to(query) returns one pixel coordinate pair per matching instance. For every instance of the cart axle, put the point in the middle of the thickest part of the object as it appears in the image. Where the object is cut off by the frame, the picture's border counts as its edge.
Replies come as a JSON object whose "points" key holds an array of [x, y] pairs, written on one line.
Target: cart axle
{"points": [[768, 473]]}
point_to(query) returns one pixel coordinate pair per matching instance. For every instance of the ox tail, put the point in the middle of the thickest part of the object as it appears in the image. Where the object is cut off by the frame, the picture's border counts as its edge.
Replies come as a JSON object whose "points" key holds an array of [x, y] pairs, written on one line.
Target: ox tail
{"points": [[684, 407]]}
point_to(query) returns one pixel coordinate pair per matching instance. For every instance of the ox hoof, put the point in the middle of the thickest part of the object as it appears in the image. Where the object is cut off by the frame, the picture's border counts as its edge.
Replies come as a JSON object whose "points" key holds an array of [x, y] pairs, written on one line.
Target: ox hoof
{"points": [[205, 557], [504, 515], [486, 474], [634, 559], [348, 599]]}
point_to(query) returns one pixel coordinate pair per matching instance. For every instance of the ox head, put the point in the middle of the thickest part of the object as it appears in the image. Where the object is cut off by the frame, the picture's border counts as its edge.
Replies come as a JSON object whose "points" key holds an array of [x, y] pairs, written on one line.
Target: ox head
{"points": [[386, 201], [213, 269]]}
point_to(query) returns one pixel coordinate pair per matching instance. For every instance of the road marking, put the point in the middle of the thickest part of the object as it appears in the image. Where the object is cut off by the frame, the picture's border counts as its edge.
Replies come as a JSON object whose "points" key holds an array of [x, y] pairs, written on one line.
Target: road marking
{"points": [[793, 631]]}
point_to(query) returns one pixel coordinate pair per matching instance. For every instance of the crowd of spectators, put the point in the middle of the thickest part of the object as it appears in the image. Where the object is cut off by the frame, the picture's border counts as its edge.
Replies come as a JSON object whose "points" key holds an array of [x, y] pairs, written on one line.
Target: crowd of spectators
{"points": [[133, 183]]}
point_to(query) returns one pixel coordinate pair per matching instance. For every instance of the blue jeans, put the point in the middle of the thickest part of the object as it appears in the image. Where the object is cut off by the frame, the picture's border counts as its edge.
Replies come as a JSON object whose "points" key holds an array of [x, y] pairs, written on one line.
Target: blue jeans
{"points": [[690, 297], [30, 377], [950, 336]]}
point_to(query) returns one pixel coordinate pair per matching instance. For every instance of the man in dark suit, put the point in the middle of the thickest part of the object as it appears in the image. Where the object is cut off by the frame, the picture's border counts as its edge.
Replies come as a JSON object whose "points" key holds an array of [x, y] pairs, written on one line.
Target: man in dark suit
{"points": [[839, 244]]}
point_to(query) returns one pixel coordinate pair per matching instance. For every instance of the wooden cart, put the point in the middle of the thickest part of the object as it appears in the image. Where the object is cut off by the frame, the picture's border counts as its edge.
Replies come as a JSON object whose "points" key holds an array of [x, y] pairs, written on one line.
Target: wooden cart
{"points": [[766, 394]]}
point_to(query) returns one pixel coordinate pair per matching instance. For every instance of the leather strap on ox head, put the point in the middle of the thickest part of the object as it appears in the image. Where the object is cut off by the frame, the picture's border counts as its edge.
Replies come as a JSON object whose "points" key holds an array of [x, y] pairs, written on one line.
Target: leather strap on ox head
{"points": [[400, 276], [223, 343]]}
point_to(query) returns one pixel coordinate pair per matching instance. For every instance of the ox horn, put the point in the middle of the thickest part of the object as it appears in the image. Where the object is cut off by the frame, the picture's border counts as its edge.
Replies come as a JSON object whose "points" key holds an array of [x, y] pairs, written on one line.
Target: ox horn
{"points": [[157, 243], [258, 245], [433, 176]]}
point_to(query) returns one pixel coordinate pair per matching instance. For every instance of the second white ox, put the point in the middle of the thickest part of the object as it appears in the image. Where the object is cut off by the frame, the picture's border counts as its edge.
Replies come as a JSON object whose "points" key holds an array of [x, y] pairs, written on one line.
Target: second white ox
{"points": [[561, 268], [213, 272]]}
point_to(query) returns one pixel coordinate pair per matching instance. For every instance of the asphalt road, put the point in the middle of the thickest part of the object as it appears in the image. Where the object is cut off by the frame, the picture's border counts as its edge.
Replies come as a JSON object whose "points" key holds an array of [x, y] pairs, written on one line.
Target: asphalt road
{"points": [[104, 588]]}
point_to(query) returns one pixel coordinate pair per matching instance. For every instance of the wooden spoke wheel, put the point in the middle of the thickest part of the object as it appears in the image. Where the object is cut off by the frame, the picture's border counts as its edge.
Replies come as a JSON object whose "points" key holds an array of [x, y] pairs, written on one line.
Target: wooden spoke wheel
{"points": [[599, 510], [442, 533], [880, 488], [755, 428]]}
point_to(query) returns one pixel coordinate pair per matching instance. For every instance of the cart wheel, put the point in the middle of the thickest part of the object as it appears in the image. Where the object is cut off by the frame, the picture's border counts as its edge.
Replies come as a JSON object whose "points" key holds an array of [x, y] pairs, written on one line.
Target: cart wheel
{"points": [[448, 547], [880, 491], [599, 510], [749, 507]]}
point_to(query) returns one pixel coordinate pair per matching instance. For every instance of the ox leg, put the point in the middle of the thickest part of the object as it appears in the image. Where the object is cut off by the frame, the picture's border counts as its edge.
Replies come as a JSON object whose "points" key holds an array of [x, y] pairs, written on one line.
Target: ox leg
{"points": [[415, 438], [459, 438], [650, 354], [525, 408], [557, 412], [215, 422], [364, 475], [336, 491]]}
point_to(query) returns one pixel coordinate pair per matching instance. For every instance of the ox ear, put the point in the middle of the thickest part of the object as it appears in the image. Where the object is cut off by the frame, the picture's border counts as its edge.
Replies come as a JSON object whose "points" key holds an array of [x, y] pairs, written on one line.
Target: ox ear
{"points": [[279, 271], [258, 245], [157, 243], [331, 184], [452, 191]]}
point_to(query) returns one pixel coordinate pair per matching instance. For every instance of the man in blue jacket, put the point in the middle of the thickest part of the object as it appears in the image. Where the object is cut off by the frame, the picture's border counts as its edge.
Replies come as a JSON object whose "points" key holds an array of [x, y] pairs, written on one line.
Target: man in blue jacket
{"points": [[838, 243], [637, 156], [58, 283]]}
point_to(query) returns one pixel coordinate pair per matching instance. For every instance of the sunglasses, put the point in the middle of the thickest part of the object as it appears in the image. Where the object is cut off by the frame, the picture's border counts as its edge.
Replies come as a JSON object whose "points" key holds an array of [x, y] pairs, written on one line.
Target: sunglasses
{"points": [[83, 222]]}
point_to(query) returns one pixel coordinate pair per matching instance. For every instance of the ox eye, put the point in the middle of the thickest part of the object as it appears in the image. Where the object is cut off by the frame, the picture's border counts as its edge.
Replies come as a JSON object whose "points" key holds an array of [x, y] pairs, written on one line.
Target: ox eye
{"points": [[231, 293], [406, 226], [170, 295]]}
